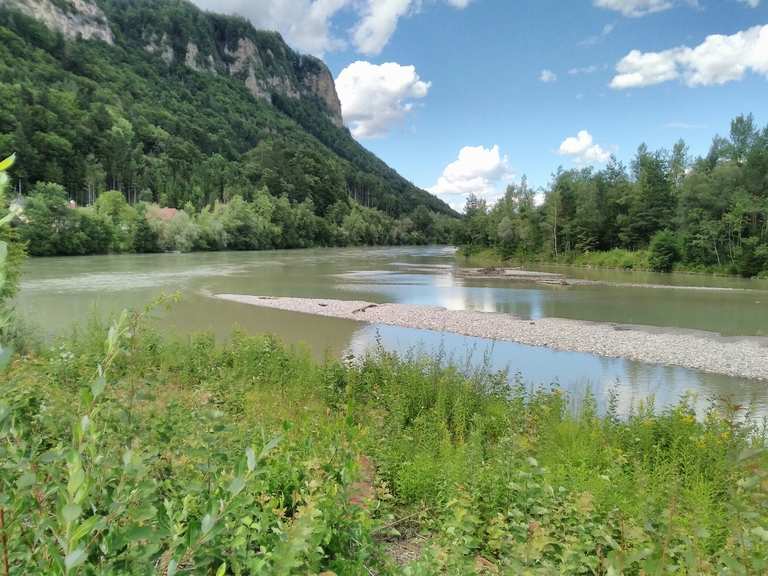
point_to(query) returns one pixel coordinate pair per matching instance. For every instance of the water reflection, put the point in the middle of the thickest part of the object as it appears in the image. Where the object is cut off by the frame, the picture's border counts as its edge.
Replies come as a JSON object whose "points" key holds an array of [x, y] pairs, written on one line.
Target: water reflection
{"points": [[633, 382]]}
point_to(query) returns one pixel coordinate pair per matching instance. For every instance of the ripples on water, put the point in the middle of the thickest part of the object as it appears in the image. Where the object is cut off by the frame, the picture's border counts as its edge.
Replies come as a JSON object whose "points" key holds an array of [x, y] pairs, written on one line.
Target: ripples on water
{"points": [[120, 281]]}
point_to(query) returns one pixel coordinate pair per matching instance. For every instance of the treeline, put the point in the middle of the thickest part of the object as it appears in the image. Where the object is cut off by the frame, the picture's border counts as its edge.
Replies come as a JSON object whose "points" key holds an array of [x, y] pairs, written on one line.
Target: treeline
{"points": [[51, 225], [665, 211]]}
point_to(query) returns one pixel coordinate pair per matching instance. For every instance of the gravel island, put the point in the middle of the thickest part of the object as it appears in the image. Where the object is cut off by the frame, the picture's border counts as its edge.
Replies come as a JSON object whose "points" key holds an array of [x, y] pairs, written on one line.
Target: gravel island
{"points": [[745, 357]]}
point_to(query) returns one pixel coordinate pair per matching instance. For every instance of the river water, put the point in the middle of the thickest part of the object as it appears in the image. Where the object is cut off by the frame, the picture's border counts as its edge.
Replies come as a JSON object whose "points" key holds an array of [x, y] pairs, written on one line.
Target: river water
{"points": [[58, 293]]}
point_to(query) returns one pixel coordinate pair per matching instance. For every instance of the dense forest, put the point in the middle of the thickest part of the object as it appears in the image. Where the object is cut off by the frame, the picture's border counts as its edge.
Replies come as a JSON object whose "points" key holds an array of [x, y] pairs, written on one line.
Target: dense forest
{"points": [[111, 136], [665, 211]]}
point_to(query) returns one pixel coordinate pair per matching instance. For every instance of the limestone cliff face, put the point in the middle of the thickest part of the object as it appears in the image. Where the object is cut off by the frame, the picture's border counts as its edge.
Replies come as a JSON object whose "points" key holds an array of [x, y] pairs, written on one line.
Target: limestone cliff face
{"points": [[266, 68], [219, 45], [73, 18], [319, 81]]}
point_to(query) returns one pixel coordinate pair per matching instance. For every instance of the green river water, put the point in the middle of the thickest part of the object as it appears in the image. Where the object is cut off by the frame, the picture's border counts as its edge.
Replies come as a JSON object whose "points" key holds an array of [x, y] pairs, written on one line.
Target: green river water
{"points": [[58, 293]]}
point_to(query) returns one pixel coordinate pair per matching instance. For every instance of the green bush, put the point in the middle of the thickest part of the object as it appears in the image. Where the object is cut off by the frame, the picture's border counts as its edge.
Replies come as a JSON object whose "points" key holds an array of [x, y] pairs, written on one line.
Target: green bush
{"points": [[11, 250], [12, 256], [145, 237], [752, 258], [664, 251]]}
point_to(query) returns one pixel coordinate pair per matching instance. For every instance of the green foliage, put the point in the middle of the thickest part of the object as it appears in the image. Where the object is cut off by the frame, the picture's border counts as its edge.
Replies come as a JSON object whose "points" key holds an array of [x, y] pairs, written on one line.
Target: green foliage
{"points": [[138, 467], [752, 258], [617, 258], [663, 251], [145, 237], [53, 226], [138, 454], [92, 117], [11, 258], [520, 480], [11, 251], [666, 212]]}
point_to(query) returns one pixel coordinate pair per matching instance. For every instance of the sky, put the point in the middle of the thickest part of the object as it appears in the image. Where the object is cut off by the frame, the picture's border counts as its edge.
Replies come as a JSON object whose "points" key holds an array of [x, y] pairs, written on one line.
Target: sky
{"points": [[466, 96]]}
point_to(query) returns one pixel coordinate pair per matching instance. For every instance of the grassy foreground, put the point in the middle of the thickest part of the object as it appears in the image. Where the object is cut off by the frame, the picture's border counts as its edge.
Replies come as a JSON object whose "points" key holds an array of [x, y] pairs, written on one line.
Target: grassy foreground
{"points": [[127, 453]]}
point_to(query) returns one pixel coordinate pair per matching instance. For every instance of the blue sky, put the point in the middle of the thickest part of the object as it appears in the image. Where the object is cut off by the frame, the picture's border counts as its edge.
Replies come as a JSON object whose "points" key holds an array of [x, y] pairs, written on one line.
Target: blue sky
{"points": [[464, 95]]}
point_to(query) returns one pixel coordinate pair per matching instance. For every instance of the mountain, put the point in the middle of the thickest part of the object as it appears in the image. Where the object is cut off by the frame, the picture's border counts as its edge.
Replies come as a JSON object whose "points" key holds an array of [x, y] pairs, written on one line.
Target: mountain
{"points": [[171, 104]]}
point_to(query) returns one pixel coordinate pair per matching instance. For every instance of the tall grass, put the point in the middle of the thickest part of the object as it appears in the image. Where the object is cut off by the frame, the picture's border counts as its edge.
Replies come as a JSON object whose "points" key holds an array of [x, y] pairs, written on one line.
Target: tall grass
{"points": [[124, 452]]}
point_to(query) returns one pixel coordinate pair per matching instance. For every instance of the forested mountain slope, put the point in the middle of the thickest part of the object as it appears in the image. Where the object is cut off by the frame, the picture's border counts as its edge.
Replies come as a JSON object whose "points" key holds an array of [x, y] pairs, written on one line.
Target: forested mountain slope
{"points": [[173, 105]]}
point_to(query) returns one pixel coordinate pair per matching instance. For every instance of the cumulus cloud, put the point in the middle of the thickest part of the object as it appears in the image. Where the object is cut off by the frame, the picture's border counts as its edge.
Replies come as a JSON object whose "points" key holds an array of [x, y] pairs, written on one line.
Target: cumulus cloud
{"points": [[751, 3], [308, 24], [305, 24], [547, 76], [582, 149], [375, 97], [717, 60], [378, 24], [477, 170], [637, 8]]}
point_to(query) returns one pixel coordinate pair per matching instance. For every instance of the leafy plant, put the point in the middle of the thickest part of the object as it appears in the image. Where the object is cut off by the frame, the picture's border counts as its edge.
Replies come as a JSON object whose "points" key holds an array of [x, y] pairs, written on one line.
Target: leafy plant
{"points": [[11, 257], [663, 251]]}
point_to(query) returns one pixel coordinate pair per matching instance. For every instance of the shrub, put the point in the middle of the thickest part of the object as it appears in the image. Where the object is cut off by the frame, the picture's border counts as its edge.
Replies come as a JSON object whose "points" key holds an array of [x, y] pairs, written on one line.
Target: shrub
{"points": [[752, 258], [663, 251], [145, 236]]}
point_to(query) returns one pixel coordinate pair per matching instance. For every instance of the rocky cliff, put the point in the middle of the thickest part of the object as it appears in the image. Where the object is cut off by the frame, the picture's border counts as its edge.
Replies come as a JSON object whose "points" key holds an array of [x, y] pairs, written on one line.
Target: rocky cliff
{"points": [[180, 33], [73, 18]]}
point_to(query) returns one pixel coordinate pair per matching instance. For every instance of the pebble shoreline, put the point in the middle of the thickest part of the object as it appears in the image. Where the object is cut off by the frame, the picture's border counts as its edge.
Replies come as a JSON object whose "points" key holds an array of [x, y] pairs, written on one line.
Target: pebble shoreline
{"points": [[739, 357]]}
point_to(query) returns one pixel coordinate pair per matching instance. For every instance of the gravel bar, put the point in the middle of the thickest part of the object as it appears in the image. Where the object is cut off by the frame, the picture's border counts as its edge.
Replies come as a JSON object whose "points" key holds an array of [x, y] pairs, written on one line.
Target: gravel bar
{"points": [[745, 357]]}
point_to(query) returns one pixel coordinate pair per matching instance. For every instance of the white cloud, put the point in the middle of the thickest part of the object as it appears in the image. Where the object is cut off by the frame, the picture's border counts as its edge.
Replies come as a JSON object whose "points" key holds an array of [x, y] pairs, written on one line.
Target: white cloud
{"points": [[751, 3], [378, 23], [477, 170], [637, 8], [643, 69], [717, 60], [307, 25], [379, 20], [375, 97], [582, 149], [547, 76]]}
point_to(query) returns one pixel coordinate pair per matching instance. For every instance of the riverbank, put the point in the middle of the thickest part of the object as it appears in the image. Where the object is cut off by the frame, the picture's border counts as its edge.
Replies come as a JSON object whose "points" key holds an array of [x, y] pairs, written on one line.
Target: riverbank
{"points": [[708, 352], [618, 259], [556, 279], [269, 462]]}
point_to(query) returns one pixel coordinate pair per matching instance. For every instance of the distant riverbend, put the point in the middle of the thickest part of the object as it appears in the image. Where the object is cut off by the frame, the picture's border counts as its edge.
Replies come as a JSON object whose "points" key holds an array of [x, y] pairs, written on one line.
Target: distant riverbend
{"points": [[741, 357]]}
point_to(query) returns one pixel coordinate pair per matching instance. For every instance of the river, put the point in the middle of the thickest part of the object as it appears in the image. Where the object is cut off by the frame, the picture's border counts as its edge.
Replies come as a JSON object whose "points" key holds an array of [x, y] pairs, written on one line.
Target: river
{"points": [[58, 293]]}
